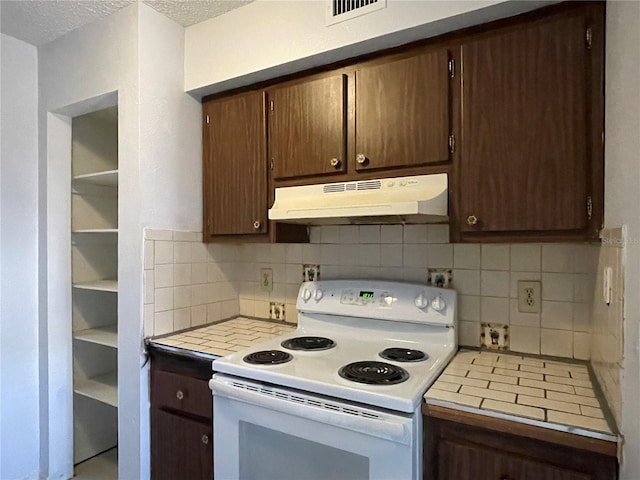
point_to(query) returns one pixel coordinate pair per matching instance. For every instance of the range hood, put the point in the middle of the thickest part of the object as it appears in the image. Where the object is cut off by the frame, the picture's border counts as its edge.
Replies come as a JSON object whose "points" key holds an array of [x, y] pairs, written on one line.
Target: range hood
{"points": [[417, 199]]}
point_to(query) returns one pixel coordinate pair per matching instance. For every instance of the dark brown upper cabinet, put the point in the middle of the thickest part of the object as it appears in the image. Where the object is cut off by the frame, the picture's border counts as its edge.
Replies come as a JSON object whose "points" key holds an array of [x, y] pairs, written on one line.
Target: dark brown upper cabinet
{"points": [[403, 111], [530, 161], [235, 166], [307, 127]]}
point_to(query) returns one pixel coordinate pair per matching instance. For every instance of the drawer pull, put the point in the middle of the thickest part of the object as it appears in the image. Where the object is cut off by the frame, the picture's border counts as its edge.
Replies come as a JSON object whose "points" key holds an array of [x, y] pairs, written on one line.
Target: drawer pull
{"points": [[473, 220], [205, 439], [179, 394]]}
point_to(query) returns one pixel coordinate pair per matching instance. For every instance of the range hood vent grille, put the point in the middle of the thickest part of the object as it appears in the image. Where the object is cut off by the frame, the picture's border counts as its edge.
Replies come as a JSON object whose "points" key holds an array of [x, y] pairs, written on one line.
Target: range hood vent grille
{"points": [[352, 186]]}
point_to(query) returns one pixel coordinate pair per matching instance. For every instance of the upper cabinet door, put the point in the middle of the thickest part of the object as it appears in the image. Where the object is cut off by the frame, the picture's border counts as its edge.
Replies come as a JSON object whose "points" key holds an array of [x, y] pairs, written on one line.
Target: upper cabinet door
{"points": [[402, 112], [235, 167], [307, 127], [526, 161]]}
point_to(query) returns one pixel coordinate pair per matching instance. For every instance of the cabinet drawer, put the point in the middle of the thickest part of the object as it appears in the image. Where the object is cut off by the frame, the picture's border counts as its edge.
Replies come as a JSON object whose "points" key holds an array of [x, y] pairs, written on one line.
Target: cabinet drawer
{"points": [[181, 448], [178, 392]]}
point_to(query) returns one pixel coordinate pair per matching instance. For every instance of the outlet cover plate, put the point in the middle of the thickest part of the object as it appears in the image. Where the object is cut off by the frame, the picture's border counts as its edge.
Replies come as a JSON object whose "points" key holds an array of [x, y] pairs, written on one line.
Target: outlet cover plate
{"points": [[266, 279], [529, 299]]}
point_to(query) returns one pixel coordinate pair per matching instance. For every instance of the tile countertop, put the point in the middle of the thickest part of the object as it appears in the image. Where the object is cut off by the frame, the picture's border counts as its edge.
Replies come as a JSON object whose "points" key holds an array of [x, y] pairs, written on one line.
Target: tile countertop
{"points": [[221, 338], [535, 391]]}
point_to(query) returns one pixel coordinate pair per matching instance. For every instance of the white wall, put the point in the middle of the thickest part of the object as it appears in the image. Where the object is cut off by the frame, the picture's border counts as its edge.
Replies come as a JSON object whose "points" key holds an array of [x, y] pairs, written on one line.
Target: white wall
{"points": [[267, 38], [134, 57], [87, 69], [170, 129], [170, 164], [19, 407], [622, 177]]}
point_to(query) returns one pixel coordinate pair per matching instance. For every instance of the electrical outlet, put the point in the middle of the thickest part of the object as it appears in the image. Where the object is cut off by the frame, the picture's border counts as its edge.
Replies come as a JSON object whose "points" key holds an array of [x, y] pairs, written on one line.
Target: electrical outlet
{"points": [[439, 277], [276, 311], [494, 336], [528, 296], [266, 280], [310, 273]]}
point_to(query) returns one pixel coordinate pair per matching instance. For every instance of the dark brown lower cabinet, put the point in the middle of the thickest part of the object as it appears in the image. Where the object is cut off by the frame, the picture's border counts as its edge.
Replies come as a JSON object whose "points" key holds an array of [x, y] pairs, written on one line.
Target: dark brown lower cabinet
{"points": [[181, 418], [473, 462], [182, 447], [476, 447]]}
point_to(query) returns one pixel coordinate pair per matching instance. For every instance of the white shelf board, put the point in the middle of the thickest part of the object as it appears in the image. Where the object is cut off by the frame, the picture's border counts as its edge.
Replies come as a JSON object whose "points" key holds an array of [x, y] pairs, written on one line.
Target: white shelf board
{"points": [[103, 388], [107, 335], [96, 230], [108, 178], [102, 285]]}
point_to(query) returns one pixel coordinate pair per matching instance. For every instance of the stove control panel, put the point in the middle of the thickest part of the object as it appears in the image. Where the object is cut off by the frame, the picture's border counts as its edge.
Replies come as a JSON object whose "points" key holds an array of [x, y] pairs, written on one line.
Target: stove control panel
{"points": [[380, 298], [399, 301]]}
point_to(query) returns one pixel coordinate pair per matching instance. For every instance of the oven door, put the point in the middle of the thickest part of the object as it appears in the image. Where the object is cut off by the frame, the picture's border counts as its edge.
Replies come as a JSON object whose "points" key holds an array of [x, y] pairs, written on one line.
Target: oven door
{"points": [[262, 432]]}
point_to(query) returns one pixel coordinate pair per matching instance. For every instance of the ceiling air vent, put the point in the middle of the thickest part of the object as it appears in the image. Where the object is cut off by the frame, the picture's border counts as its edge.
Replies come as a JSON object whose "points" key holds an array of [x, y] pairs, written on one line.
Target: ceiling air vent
{"points": [[341, 10]]}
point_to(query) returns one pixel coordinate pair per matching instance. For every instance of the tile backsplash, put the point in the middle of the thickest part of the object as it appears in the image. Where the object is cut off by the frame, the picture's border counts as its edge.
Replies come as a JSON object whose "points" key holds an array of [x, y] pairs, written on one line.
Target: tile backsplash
{"points": [[486, 277], [188, 283]]}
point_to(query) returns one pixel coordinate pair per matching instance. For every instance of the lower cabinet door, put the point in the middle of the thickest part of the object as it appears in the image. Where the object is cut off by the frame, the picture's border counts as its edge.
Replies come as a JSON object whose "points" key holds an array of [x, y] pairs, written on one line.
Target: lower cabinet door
{"points": [[472, 462], [181, 448]]}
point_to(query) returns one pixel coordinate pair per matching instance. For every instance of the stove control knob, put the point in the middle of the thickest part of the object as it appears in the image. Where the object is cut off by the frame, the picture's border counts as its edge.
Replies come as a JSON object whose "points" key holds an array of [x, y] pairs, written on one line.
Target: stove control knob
{"points": [[318, 294], [305, 294], [421, 301], [438, 304]]}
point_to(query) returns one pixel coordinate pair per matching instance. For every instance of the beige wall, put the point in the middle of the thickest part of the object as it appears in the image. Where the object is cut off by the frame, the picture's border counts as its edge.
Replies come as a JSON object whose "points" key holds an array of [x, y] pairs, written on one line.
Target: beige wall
{"points": [[622, 177], [607, 339]]}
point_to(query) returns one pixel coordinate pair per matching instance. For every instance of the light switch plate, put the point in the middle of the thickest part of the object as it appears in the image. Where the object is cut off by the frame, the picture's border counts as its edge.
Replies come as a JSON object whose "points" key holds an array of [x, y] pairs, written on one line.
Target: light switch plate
{"points": [[529, 298], [606, 285]]}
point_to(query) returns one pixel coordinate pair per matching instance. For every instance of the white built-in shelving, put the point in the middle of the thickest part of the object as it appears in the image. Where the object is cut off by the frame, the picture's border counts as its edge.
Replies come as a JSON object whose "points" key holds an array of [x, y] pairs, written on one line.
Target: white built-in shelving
{"points": [[94, 258], [108, 178], [107, 335], [105, 285], [103, 388]]}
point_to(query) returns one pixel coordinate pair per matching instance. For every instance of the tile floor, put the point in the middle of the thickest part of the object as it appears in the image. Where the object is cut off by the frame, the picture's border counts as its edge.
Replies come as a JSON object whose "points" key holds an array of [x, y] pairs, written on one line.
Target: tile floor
{"points": [[100, 467]]}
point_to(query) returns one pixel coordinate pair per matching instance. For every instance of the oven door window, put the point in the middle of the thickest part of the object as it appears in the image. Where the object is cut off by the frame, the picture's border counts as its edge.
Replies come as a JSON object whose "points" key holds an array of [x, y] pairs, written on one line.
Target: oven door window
{"points": [[280, 456]]}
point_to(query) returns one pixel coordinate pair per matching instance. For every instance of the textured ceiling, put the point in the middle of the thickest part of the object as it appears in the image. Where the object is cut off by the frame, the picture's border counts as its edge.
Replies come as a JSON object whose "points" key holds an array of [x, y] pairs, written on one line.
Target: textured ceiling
{"points": [[41, 21]]}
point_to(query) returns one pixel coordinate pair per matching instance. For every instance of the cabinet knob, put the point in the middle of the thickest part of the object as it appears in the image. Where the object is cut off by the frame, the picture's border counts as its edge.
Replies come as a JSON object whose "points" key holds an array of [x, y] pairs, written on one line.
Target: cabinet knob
{"points": [[205, 439], [257, 225], [179, 394], [335, 163], [362, 159], [472, 220]]}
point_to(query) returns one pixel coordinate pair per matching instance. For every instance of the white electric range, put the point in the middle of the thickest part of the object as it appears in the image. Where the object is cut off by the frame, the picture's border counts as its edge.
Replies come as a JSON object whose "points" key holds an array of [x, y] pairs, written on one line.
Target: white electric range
{"points": [[339, 397]]}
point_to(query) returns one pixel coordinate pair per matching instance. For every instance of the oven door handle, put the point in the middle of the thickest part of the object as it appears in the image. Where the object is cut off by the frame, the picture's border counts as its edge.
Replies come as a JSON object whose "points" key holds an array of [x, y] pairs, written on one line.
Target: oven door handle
{"points": [[390, 427]]}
